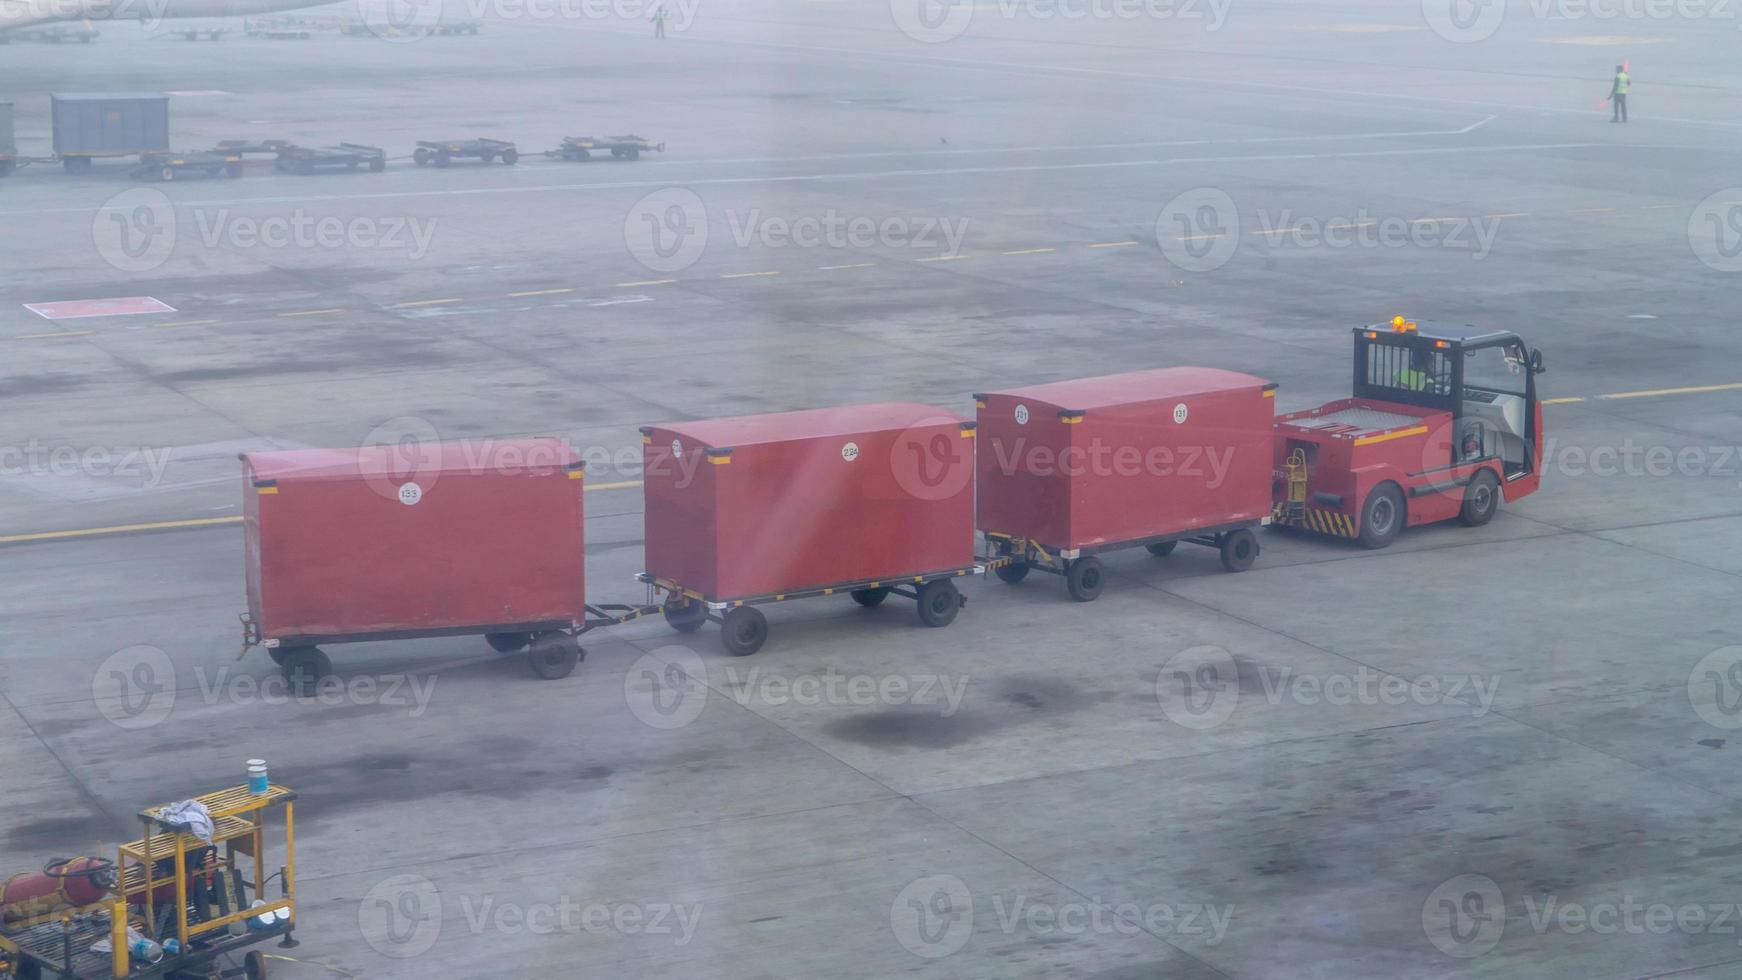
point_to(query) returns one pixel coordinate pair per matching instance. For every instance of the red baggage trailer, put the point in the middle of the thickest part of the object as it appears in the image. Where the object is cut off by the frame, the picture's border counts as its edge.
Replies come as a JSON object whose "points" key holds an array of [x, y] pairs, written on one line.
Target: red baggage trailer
{"points": [[871, 500], [392, 542], [1074, 468]]}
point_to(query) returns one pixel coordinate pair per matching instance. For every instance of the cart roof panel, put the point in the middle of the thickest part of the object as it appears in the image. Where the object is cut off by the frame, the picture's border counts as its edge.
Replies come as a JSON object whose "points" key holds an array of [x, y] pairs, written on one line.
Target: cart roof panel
{"points": [[500, 456], [1136, 386], [817, 423]]}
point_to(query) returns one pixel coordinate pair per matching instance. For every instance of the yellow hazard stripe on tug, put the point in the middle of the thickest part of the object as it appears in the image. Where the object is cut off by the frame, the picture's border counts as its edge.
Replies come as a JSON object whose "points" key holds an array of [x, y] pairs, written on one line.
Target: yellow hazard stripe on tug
{"points": [[1388, 436], [1319, 521]]}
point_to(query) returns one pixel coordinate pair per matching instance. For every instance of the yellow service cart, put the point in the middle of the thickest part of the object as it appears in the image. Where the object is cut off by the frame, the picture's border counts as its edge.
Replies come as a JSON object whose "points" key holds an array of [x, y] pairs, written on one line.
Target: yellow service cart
{"points": [[169, 905]]}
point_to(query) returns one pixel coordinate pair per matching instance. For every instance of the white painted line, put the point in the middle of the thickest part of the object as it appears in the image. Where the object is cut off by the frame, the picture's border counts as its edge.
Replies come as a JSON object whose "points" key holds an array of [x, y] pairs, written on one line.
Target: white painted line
{"points": [[855, 265]]}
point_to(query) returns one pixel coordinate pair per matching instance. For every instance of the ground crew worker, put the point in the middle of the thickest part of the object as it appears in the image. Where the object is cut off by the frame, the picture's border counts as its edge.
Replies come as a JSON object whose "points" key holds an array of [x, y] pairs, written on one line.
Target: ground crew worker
{"points": [[1618, 95], [659, 21], [1415, 377]]}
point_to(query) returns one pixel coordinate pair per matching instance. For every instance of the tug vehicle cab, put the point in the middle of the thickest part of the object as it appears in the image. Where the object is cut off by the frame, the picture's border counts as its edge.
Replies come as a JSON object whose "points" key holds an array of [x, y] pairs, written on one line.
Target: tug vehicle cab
{"points": [[1439, 426]]}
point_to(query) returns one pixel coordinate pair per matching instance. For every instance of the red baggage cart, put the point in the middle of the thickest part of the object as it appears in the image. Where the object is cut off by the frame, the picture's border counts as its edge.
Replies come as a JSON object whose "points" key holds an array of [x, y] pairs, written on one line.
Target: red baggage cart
{"points": [[1075, 468], [870, 500], [394, 542]]}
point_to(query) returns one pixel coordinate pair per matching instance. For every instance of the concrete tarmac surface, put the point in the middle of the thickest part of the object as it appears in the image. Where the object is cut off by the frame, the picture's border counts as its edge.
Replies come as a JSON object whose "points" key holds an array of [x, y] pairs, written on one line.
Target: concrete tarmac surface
{"points": [[1494, 752]]}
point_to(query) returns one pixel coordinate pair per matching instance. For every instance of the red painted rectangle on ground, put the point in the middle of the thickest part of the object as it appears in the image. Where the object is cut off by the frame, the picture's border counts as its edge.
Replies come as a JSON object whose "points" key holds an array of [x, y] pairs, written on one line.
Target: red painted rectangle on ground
{"points": [[74, 309]]}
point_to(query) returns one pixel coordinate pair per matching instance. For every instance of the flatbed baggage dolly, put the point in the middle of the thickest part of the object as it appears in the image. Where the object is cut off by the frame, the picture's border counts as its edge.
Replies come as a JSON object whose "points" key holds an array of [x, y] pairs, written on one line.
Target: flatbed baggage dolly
{"points": [[630, 147], [166, 167], [419, 540], [864, 500], [307, 159], [245, 147], [442, 153], [1071, 470], [170, 904]]}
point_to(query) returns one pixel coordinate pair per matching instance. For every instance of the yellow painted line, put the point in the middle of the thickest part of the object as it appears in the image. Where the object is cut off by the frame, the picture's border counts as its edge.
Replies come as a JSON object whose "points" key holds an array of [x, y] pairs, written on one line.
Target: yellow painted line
{"points": [[543, 292], [58, 334], [1695, 390], [311, 313], [1030, 251], [855, 265], [1509, 214], [92, 532], [1434, 221], [624, 485], [1658, 207], [748, 275], [1561, 401], [426, 302], [1113, 244], [947, 258], [1350, 224], [1590, 210], [1388, 436], [1200, 238], [648, 282], [185, 323]]}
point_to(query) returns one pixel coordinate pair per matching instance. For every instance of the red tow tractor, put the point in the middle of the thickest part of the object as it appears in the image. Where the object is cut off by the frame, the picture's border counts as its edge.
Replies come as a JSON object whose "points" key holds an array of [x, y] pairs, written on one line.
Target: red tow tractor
{"points": [[1440, 426]]}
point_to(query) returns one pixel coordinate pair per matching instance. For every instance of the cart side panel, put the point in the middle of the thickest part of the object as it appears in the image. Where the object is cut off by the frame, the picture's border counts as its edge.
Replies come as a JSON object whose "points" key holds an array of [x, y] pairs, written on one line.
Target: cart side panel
{"points": [[8, 146], [251, 541], [678, 489], [1022, 491], [801, 514], [110, 124], [1171, 465], [493, 544]]}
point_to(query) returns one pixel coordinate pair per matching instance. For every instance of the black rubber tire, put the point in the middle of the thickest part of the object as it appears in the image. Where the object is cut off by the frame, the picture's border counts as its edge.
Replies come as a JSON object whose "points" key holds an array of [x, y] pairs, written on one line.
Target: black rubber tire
{"points": [[1382, 517], [487, 157], [633, 154], [1162, 549], [1481, 499], [6, 168], [1085, 578], [233, 169], [1239, 549], [617, 151], [939, 602], [1012, 573], [277, 654], [870, 598], [166, 175], [553, 655], [27, 970], [685, 615], [420, 156], [254, 965], [743, 630], [442, 159], [303, 668], [507, 642], [511, 157], [377, 165]]}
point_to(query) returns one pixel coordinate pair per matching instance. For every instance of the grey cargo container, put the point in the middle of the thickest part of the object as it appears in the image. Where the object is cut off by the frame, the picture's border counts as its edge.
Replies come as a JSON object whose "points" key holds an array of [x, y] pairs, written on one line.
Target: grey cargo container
{"points": [[110, 124], [7, 147]]}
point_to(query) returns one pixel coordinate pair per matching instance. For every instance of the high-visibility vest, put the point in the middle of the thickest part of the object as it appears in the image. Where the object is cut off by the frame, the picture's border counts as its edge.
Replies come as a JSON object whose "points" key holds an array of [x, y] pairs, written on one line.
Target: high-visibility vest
{"points": [[1621, 81], [1414, 380]]}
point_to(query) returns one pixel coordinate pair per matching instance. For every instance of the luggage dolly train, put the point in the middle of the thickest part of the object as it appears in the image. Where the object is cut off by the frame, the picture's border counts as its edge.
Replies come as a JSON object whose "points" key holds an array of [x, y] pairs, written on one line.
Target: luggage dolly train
{"points": [[870, 501]]}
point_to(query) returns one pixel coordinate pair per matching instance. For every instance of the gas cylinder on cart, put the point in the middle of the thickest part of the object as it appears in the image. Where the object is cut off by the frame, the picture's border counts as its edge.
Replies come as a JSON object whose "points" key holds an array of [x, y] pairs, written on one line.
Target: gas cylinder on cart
{"points": [[63, 884]]}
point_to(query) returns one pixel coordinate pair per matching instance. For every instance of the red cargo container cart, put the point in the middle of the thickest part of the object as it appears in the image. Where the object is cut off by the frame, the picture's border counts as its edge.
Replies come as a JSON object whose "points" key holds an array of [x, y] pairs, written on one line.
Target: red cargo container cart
{"points": [[393, 542], [870, 500], [1075, 468]]}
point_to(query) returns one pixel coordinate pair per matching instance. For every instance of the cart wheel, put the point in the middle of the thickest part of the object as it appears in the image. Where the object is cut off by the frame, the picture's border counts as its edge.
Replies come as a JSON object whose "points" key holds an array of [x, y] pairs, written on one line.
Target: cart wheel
{"points": [[487, 157], [1481, 499], [685, 615], [1239, 549], [553, 655], [166, 175], [277, 654], [511, 157], [1085, 578], [254, 965], [617, 151], [420, 156], [870, 598], [507, 642], [1382, 517], [939, 601], [233, 169], [28, 970], [1162, 549], [744, 630], [304, 667], [633, 153], [1013, 573], [6, 168], [443, 158], [377, 165]]}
